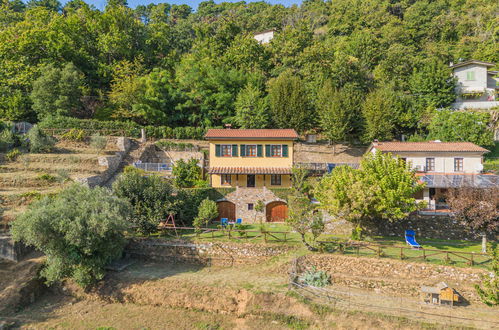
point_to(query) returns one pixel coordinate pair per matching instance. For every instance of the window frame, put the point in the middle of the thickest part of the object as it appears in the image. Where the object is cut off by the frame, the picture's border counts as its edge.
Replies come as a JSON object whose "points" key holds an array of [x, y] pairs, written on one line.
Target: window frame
{"points": [[431, 161], [278, 148], [251, 206], [274, 181], [470, 76], [226, 182], [247, 149], [458, 164], [225, 147]]}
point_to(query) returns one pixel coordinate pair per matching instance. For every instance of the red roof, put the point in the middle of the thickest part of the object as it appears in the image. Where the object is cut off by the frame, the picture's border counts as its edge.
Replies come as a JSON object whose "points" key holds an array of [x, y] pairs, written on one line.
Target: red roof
{"points": [[249, 170], [428, 146], [253, 134]]}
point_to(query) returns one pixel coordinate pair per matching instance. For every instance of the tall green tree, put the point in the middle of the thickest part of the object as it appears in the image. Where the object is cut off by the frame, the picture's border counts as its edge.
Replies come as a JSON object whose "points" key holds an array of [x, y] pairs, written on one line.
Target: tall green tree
{"points": [[339, 111], [432, 84], [80, 230], [288, 102], [381, 190], [449, 126], [252, 108], [57, 91]]}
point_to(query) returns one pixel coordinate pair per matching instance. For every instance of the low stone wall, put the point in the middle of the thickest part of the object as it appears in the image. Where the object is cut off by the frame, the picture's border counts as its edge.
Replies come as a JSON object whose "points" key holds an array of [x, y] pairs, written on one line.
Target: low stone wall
{"points": [[428, 226], [206, 253], [11, 250], [392, 276], [112, 163]]}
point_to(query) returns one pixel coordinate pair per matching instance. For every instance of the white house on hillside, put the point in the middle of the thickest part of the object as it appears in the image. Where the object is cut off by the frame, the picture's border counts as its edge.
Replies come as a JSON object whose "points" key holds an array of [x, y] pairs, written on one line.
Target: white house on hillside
{"points": [[477, 86], [442, 166], [264, 37]]}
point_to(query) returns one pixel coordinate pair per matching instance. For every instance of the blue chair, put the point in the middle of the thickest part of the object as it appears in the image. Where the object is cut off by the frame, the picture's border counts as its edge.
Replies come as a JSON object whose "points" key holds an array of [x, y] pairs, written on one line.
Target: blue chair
{"points": [[410, 239], [239, 221], [224, 222]]}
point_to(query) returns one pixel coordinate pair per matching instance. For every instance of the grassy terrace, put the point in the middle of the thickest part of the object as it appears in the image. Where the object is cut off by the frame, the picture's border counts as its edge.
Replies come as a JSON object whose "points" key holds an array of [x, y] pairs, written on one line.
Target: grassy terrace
{"points": [[450, 252]]}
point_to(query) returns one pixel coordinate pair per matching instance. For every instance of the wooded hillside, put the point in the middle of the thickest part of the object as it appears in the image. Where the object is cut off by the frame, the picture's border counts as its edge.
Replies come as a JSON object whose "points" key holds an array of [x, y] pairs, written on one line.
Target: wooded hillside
{"points": [[353, 68]]}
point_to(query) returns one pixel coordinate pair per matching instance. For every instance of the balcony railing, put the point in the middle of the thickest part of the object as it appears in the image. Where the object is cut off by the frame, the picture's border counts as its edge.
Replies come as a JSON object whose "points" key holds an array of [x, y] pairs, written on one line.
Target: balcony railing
{"points": [[154, 167]]}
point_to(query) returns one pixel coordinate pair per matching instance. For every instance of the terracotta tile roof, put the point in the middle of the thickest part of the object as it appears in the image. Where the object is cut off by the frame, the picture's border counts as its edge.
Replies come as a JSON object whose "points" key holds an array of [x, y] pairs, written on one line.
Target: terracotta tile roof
{"points": [[428, 146], [249, 170], [255, 134]]}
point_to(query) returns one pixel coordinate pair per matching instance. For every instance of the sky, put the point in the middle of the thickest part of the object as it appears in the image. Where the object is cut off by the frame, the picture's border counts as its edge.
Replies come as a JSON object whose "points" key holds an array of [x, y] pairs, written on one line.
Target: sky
{"points": [[100, 4]]}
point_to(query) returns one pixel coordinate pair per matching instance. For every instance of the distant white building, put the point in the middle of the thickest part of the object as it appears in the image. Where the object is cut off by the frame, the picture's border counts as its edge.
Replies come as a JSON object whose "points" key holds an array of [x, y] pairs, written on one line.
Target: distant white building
{"points": [[264, 37], [477, 86]]}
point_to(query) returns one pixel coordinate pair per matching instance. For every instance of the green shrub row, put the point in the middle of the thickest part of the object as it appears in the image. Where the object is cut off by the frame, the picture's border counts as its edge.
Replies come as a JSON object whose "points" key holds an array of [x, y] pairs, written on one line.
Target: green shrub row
{"points": [[127, 128]]}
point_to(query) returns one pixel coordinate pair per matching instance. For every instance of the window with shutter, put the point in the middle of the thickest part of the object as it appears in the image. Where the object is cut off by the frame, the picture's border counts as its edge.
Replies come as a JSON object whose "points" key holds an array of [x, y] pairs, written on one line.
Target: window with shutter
{"points": [[284, 150], [217, 150], [259, 150], [267, 150], [470, 75], [243, 150], [234, 150]]}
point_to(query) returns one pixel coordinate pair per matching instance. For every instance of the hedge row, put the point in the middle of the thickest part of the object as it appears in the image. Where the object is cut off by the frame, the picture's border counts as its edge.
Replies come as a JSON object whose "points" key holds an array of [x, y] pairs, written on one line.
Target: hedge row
{"points": [[127, 128]]}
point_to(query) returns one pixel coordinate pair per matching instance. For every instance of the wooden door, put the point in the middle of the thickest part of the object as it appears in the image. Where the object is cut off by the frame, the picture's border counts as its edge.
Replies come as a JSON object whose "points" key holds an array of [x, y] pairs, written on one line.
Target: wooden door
{"points": [[226, 210], [277, 212], [250, 180]]}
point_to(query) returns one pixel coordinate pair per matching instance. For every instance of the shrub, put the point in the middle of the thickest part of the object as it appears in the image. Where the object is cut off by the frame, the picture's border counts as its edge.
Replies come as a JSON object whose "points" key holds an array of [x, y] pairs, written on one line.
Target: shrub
{"points": [[12, 155], [98, 142], [186, 174], [47, 177], [7, 139], [74, 134], [151, 198], [314, 277], [207, 211], [39, 141], [77, 241]]}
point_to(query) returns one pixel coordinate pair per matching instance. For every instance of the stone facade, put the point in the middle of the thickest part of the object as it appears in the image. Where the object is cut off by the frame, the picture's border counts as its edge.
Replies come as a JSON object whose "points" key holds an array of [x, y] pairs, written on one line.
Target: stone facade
{"points": [[242, 196], [112, 164]]}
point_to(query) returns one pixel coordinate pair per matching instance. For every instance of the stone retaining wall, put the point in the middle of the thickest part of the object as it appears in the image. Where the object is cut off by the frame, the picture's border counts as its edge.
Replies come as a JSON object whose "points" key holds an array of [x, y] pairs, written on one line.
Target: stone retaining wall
{"points": [[112, 164], [392, 276], [11, 250], [159, 249]]}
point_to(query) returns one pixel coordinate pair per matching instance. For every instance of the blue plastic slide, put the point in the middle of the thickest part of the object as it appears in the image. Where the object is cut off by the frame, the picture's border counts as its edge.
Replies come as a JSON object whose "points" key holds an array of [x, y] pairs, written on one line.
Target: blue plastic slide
{"points": [[410, 238]]}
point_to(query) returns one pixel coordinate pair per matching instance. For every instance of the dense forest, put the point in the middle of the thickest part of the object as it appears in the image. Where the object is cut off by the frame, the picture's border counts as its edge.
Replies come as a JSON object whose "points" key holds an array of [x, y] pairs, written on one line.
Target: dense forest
{"points": [[350, 68]]}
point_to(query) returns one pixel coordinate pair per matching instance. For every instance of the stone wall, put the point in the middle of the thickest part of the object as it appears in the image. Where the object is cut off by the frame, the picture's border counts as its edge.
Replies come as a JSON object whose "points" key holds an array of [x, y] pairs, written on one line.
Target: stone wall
{"points": [[206, 253], [241, 197], [427, 226], [112, 164], [153, 154], [11, 250], [392, 276]]}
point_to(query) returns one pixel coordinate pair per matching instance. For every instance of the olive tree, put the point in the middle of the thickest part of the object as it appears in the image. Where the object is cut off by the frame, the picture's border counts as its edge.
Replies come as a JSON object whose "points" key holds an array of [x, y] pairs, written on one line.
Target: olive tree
{"points": [[80, 230], [305, 219]]}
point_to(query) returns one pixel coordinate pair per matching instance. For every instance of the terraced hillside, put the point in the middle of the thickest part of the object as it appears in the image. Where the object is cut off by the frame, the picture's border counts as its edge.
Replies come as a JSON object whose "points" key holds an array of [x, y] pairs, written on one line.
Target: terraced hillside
{"points": [[32, 174]]}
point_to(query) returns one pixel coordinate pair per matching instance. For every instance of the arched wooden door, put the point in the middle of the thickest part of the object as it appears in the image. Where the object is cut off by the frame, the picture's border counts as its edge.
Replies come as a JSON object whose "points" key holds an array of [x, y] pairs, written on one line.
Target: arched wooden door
{"points": [[277, 212], [226, 210]]}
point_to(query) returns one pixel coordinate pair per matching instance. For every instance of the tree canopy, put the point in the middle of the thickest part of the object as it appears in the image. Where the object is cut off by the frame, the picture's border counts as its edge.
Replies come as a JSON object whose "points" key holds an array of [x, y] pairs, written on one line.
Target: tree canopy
{"points": [[80, 230], [165, 64]]}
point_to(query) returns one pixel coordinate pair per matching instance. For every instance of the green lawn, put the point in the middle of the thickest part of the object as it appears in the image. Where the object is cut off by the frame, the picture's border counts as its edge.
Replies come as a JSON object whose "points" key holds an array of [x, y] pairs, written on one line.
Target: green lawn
{"points": [[391, 246]]}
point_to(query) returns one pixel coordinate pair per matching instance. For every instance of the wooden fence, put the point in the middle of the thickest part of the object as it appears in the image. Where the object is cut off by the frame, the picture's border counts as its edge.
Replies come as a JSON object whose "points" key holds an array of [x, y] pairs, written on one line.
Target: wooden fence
{"points": [[232, 232], [403, 252]]}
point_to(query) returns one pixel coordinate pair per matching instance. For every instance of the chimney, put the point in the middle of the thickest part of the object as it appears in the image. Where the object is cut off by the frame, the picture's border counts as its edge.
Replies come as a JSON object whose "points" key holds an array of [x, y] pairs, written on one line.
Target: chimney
{"points": [[228, 126], [375, 142]]}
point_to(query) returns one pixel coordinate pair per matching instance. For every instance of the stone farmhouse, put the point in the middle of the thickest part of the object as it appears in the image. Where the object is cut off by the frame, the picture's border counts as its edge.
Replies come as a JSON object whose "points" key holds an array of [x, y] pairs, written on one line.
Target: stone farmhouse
{"points": [[442, 166], [253, 161], [477, 85]]}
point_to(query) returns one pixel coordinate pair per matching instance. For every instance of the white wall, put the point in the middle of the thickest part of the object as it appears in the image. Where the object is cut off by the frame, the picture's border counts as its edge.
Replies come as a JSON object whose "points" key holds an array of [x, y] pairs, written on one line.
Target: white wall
{"points": [[265, 37], [480, 81], [444, 162]]}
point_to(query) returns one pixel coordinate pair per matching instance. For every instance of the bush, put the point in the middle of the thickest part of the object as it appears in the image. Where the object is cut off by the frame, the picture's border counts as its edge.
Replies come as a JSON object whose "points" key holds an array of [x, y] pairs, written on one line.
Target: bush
{"points": [[38, 141], [118, 128], [7, 139], [74, 134], [151, 198], [314, 277], [47, 177], [207, 211], [98, 142], [12, 155], [77, 241], [187, 174]]}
